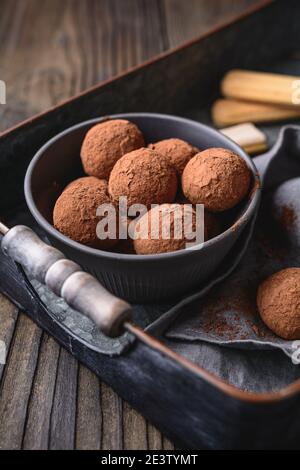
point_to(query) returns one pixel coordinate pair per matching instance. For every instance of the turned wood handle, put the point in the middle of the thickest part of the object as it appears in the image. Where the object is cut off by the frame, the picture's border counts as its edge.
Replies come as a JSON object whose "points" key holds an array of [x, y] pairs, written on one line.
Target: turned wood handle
{"points": [[66, 279], [262, 87]]}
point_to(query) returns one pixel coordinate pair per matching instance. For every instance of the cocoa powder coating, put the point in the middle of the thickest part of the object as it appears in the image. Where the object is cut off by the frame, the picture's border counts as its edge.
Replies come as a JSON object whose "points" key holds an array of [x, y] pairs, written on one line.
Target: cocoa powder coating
{"points": [[177, 151], [288, 217], [217, 178], [105, 143], [74, 213], [278, 301], [145, 177], [146, 242]]}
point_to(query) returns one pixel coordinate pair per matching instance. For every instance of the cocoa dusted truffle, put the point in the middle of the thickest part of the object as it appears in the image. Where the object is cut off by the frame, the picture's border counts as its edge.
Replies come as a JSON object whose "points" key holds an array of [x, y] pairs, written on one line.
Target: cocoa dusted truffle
{"points": [[145, 177], [74, 213], [217, 178], [278, 301], [177, 151], [164, 237], [105, 143]]}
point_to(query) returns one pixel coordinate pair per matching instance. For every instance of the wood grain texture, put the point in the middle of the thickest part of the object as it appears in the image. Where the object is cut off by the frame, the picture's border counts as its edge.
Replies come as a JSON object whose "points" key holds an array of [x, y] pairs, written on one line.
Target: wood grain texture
{"points": [[48, 54], [89, 412], [135, 429], [154, 438], [17, 383], [186, 20], [63, 417], [69, 47], [112, 429], [167, 444], [36, 434], [8, 318]]}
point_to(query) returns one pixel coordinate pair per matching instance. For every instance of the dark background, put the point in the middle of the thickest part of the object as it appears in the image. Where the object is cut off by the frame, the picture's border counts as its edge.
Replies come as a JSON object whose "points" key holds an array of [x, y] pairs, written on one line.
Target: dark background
{"points": [[50, 50]]}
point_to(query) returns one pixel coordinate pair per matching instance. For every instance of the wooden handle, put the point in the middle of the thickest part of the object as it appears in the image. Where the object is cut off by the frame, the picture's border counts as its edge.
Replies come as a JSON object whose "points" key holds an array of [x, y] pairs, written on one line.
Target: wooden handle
{"points": [[262, 87], [227, 112], [66, 279]]}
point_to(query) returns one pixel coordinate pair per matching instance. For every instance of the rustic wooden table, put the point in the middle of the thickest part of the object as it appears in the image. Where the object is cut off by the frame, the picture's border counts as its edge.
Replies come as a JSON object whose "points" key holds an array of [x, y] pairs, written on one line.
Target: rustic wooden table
{"points": [[49, 51]]}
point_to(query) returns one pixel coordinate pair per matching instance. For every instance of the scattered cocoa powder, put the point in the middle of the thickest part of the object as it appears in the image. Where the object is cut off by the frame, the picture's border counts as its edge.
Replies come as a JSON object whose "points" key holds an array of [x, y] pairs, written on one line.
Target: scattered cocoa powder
{"points": [[220, 326], [271, 232], [241, 302], [287, 217], [256, 329]]}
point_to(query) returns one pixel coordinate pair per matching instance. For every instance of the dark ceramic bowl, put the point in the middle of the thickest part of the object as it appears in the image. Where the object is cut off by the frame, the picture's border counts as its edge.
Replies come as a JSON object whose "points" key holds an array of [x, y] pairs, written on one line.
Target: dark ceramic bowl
{"points": [[134, 277]]}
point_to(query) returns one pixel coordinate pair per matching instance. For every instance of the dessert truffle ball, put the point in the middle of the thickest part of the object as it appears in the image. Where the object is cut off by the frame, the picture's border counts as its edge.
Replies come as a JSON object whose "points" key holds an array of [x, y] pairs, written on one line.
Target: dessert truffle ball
{"points": [[217, 178], [278, 301], [105, 143], [177, 151], [145, 177], [74, 213], [163, 229]]}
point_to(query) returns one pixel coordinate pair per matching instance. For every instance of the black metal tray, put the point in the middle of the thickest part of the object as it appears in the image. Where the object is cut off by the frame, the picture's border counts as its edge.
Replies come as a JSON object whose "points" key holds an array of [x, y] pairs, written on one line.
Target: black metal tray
{"points": [[186, 401]]}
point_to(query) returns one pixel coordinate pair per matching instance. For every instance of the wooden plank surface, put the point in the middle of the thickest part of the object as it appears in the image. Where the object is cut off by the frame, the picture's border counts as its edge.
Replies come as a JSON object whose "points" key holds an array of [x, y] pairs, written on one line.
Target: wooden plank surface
{"points": [[48, 53], [89, 411], [36, 435]]}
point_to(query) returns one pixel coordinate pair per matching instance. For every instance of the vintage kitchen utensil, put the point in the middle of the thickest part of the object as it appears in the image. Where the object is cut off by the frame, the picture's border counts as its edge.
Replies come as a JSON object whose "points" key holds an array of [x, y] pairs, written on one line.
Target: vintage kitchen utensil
{"points": [[227, 112], [134, 277], [262, 87], [65, 278]]}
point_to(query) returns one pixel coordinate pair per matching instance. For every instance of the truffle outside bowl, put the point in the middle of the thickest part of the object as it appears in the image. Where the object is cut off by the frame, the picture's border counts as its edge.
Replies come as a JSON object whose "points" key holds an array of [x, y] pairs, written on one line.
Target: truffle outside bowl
{"points": [[136, 278]]}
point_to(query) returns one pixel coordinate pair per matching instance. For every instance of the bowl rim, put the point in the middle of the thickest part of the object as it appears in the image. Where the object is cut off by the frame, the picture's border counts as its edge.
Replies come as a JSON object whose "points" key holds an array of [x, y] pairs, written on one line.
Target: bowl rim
{"points": [[40, 219]]}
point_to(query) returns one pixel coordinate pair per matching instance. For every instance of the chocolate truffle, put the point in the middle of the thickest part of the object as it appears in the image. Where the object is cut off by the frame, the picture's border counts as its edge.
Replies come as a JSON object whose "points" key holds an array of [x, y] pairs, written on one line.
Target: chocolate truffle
{"points": [[278, 301], [74, 213], [177, 151], [217, 178], [105, 143], [145, 177], [165, 238]]}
